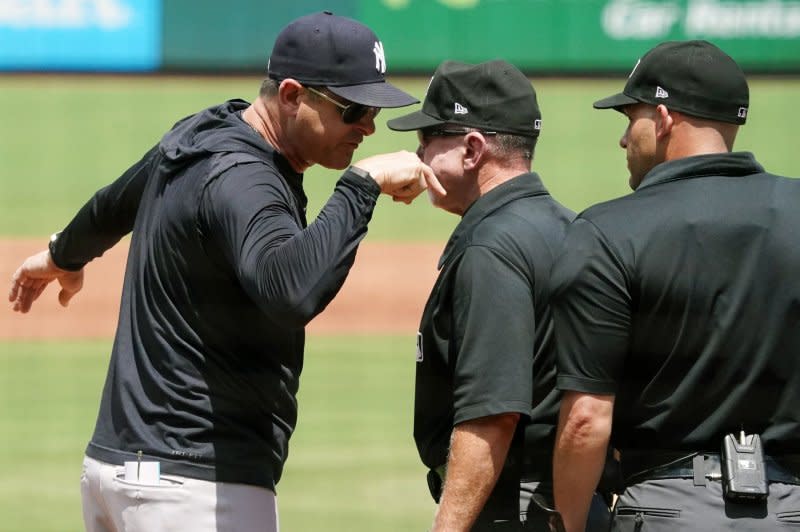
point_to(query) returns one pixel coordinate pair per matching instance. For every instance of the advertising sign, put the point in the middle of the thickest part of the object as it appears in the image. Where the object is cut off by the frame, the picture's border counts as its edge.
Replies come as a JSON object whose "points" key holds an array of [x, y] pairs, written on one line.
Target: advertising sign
{"points": [[581, 35], [80, 34], [557, 36]]}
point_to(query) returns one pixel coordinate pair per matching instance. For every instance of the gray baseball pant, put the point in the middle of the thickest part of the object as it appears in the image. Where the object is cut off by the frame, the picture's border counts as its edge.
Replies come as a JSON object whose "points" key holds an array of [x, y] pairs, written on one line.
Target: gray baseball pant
{"points": [[176, 504], [668, 505]]}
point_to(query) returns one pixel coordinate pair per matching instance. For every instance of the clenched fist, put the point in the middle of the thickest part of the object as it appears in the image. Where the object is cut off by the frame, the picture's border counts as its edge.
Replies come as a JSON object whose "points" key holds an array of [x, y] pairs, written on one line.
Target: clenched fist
{"points": [[401, 175]]}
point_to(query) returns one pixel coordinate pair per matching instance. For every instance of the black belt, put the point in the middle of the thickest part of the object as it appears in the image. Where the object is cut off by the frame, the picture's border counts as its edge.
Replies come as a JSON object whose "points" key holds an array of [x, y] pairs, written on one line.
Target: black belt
{"points": [[530, 466], [699, 466], [519, 466]]}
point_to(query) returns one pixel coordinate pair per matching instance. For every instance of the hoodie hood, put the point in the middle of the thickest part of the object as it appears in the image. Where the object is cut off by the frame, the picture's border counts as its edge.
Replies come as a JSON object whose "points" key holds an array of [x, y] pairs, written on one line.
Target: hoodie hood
{"points": [[218, 129], [220, 134]]}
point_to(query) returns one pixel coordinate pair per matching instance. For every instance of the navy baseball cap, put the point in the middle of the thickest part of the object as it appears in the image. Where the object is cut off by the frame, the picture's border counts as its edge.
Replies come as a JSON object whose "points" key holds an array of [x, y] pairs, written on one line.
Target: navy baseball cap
{"points": [[341, 54], [493, 95], [693, 77]]}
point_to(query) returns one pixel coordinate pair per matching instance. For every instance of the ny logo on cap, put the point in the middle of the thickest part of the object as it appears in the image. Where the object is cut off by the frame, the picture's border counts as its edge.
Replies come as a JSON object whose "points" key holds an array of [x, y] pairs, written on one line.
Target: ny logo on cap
{"points": [[460, 109], [742, 112], [661, 93], [380, 58]]}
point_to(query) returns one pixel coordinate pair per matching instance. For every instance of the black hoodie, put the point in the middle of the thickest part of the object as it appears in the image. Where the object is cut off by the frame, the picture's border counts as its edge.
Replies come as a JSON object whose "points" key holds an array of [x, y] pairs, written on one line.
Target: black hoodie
{"points": [[222, 276]]}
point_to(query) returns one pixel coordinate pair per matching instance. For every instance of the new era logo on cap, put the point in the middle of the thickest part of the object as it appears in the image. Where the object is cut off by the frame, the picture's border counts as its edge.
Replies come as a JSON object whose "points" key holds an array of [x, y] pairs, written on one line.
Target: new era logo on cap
{"points": [[742, 112], [661, 93], [537, 124], [460, 109]]}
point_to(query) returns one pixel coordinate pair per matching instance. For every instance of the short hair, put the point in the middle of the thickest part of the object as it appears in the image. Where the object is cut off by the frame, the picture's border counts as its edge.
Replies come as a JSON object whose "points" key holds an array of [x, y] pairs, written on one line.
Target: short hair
{"points": [[269, 88], [503, 145], [507, 145]]}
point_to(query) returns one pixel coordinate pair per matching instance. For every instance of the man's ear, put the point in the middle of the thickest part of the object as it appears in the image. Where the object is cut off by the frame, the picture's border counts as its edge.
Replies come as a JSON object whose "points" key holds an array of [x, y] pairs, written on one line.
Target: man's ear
{"points": [[475, 150], [663, 121], [289, 95]]}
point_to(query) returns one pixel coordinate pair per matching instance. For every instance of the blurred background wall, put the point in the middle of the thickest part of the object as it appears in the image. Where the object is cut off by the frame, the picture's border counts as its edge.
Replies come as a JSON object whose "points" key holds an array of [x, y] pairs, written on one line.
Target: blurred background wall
{"points": [[539, 36], [353, 465]]}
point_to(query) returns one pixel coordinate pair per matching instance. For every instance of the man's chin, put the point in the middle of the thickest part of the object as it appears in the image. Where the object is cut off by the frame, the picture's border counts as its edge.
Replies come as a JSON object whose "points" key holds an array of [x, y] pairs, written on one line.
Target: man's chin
{"points": [[441, 203], [335, 166], [338, 163]]}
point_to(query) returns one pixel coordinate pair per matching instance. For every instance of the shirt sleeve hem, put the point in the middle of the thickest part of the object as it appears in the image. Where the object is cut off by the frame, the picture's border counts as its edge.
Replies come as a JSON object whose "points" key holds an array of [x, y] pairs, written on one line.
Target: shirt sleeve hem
{"points": [[582, 384], [494, 409]]}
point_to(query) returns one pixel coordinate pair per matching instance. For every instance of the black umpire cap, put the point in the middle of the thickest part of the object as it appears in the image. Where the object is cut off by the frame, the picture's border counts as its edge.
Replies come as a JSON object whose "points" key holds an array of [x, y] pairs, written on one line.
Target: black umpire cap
{"points": [[493, 95], [693, 77], [338, 53]]}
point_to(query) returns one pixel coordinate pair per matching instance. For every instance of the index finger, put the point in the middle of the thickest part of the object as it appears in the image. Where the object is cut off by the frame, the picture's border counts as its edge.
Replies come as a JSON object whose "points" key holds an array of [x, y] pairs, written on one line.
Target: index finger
{"points": [[432, 181], [16, 283], [12, 293]]}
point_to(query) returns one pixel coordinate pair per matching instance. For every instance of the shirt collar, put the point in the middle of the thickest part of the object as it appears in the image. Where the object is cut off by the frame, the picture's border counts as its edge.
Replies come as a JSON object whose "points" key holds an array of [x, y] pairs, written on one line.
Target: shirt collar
{"points": [[522, 186], [717, 164]]}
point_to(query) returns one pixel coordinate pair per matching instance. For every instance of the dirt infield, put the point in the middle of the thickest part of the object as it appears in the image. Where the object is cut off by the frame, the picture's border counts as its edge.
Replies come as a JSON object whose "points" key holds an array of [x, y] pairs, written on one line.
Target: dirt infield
{"points": [[384, 293]]}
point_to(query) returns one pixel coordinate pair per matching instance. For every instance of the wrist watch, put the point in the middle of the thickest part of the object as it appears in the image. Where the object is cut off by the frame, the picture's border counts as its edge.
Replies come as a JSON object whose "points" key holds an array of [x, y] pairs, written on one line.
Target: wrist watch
{"points": [[51, 245], [360, 172], [366, 176]]}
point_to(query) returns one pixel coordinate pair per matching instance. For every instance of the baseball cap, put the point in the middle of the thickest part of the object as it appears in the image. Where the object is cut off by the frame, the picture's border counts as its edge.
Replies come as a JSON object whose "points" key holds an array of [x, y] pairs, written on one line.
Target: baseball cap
{"points": [[493, 95], [693, 77], [341, 54]]}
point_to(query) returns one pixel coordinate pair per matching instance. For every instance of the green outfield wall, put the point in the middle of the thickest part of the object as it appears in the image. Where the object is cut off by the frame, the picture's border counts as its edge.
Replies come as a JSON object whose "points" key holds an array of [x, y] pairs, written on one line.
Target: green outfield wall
{"points": [[581, 35], [569, 36], [536, 35]]}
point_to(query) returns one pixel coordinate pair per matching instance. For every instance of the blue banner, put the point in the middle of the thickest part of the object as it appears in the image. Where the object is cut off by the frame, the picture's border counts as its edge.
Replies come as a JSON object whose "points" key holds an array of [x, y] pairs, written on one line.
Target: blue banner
{"points": [[86, 35]]}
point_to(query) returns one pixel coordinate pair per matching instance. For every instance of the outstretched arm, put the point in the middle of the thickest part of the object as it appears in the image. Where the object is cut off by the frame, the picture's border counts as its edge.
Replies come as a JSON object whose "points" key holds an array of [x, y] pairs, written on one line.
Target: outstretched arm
{"points": [[99, 224], [30, 280]]}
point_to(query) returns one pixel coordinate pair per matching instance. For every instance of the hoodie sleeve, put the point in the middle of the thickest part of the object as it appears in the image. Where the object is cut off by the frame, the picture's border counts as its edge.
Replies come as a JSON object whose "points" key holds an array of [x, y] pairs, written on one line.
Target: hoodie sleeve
{"points": [[105, 218], [289, 271]]}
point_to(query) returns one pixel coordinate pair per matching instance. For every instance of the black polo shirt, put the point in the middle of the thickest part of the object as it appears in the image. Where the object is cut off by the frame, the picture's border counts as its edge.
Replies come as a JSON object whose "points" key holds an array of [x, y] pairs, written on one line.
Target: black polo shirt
{"points": [[485, 345], [683, 300]]}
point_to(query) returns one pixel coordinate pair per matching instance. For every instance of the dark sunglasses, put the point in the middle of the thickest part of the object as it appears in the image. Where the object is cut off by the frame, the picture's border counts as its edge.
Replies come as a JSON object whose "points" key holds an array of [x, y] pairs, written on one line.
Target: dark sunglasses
{"points": [[352, 112]]}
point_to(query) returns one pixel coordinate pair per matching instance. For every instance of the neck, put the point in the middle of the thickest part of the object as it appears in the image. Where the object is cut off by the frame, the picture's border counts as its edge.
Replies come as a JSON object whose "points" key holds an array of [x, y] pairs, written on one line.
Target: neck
{"points": [[493, 175], [490, 176], [266, 121], [699, 137]]}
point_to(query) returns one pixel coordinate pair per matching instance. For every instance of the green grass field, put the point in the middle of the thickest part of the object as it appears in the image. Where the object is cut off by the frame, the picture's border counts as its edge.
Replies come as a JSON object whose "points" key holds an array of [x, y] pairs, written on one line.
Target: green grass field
{"points": [[353, 466], [64, 137]]}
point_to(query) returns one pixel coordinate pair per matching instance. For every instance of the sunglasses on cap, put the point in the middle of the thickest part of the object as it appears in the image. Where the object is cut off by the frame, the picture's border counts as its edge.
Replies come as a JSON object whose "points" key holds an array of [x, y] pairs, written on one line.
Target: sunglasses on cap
{"points": [[352, 112]]}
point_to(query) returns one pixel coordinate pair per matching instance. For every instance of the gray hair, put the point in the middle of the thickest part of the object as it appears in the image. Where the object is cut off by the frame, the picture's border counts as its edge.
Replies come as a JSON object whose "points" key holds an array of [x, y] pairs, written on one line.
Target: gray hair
{"points": [[508, 145], [269, 88]]}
